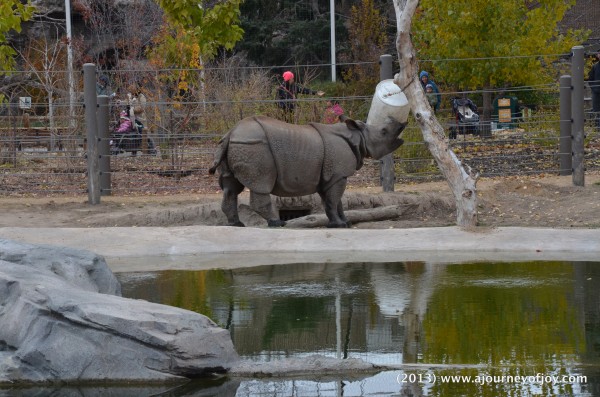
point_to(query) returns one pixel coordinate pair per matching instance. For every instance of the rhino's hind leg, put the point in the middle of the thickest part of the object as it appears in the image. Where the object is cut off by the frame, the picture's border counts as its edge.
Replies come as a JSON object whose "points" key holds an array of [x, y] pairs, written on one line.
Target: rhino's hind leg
{"points": [[341, 214], [261, 203], [231, 189]]}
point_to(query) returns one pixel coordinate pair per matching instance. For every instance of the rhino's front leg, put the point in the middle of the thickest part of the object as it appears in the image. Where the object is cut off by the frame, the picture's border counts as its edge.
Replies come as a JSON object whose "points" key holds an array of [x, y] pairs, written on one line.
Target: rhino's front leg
{"points": [[261, 203], [231, 189], [332, 201]]}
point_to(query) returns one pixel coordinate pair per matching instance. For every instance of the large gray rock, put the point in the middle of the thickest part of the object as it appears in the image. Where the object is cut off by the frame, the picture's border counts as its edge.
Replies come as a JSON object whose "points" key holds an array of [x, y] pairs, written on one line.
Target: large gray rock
{"points": [[58, 328], [81, 268]]}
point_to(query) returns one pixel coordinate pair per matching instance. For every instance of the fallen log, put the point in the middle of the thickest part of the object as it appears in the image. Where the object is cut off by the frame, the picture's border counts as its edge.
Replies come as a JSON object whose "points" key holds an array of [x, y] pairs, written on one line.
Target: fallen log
{"points": [[354, 216]]}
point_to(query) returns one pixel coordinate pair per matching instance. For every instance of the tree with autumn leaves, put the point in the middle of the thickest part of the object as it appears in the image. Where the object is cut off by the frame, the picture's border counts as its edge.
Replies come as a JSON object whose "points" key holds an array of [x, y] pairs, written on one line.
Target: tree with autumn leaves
{"points": [[193, 34], [12, 14], [368, 40], [483, 45]]}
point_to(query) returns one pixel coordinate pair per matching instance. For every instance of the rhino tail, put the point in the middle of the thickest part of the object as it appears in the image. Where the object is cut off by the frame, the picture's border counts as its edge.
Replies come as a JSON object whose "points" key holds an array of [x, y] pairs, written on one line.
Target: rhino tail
{"points": [[220, 153]]}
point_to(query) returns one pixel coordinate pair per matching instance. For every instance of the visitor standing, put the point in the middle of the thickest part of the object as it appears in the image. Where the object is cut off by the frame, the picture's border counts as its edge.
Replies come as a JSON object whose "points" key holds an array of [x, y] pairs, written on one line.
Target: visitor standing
{"points": [[102, 86], [287, 93], [431, 96], [136, 100], [425, 80]]}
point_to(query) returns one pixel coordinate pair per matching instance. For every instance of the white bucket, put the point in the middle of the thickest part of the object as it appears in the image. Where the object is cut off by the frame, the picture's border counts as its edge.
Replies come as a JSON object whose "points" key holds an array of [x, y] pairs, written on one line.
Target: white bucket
{"points": [[388, 101]]}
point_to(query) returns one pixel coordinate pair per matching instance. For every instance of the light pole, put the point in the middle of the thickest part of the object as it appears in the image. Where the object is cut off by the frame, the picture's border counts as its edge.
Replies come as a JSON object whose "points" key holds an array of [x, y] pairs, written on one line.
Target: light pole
{"points": [[70, 65], [332, 29]]}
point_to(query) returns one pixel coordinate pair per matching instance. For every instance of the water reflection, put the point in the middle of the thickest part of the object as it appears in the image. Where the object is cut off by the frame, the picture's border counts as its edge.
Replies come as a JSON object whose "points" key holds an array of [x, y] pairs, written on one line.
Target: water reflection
{"points": [[498, 322]]}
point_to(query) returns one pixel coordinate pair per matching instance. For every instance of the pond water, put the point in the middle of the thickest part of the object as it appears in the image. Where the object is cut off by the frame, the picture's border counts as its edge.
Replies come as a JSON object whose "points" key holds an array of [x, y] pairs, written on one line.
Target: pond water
{"points": [[483, 329]]}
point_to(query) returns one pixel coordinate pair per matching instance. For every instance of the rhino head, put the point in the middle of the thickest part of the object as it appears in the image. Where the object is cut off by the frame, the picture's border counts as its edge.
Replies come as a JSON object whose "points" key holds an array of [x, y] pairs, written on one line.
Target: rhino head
{"points": [[379, 139]]}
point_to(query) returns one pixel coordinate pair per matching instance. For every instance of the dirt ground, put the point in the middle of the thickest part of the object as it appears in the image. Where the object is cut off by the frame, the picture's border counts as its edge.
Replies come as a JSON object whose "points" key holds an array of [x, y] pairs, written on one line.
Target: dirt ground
{"points": [[541, 201]]}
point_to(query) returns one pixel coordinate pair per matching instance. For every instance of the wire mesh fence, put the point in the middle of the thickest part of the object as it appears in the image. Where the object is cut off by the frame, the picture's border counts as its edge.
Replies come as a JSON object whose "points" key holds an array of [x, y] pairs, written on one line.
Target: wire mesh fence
{"points": [[43, 144]]}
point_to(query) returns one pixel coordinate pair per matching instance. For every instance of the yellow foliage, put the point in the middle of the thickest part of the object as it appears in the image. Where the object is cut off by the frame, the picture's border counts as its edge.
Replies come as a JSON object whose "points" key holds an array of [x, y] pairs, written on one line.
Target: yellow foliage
{"points": [[368, 39], [478, 43], [183, 85]]}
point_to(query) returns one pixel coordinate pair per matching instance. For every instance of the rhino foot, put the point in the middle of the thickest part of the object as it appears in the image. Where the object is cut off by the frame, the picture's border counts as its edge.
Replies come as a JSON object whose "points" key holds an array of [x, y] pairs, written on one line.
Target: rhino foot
{"points": [[238, 224], [338, 225], [275, 223]]}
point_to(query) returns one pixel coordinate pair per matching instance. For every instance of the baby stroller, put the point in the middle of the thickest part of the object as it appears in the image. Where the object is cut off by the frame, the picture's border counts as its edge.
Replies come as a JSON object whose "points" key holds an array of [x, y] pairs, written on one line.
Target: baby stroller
{"points": [[467, 118], [128, 137]]}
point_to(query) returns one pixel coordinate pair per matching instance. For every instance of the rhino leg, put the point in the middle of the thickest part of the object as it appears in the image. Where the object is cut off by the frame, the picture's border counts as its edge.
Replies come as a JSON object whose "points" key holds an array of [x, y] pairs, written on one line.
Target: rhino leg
{"points": [[342, 215], [261, 203], [231, 189], [332, 201]]}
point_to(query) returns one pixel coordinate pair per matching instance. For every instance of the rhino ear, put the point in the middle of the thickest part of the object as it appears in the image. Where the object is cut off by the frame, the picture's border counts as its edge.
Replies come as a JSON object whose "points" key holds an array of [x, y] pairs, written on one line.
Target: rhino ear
{"points": [[353, 124]]}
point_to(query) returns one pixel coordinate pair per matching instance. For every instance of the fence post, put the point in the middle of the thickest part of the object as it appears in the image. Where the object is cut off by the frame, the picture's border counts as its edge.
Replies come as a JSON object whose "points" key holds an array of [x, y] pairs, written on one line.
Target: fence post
{"points": [[388, 176], [565, 147], [12, 117], [104, 146], [91, 126], [578, 115]]}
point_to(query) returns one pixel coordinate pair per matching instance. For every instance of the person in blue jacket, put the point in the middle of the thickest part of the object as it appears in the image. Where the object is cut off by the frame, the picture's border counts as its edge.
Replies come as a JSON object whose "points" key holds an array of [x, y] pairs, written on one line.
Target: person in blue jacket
{"points": [[425, 80]]}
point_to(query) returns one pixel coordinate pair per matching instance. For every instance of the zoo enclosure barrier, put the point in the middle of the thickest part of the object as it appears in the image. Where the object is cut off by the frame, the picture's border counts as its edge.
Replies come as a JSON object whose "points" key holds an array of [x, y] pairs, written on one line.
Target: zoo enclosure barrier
{"points": [[187, 129], [572, 119]]}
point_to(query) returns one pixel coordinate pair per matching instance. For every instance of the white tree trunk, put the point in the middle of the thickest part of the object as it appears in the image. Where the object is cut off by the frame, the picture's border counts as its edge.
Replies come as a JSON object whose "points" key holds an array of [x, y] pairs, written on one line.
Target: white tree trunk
{"points": [[461, 180]]}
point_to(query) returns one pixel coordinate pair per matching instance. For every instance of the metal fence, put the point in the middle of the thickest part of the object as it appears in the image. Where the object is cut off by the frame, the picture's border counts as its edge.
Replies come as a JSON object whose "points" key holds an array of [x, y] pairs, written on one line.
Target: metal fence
{"points": [[43, 145]]}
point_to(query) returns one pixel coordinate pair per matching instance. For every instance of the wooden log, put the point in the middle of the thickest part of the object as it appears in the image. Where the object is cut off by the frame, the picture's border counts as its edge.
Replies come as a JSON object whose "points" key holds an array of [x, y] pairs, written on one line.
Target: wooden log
{"points": [[354, 216]]}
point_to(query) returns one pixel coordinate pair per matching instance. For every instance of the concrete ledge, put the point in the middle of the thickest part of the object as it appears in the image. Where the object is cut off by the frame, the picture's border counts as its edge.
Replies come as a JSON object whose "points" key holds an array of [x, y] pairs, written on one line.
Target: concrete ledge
{"points": [[205, 247]]}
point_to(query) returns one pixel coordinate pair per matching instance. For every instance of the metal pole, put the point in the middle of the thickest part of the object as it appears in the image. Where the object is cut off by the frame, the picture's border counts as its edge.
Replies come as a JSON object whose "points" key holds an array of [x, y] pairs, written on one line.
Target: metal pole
{"points": [[71, 78], [565, 147], [104, 146], [578, 115], [332, 32], [91, 126], [388, 175], [338, 318], [385, 67]]}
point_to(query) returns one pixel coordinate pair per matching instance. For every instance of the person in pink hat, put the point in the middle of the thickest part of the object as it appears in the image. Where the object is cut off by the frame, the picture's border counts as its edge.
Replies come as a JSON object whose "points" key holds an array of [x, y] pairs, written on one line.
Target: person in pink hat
{"points": [[287, 93]]}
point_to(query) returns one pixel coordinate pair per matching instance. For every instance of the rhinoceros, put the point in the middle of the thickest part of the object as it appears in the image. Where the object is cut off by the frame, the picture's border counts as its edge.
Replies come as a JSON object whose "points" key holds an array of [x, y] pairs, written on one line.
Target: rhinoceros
{"points": [[269, 156]]}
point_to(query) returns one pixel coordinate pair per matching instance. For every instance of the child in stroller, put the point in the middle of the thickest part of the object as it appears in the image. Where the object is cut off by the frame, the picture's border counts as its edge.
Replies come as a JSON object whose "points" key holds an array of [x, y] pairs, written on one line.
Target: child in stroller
{"points": [[466, 116], [128, 136]]}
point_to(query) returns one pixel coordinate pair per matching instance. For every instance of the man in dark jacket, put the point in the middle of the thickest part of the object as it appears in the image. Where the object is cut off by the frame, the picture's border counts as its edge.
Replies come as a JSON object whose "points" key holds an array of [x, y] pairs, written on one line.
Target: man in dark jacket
{"points": [[594, 82], [286, 95]]}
